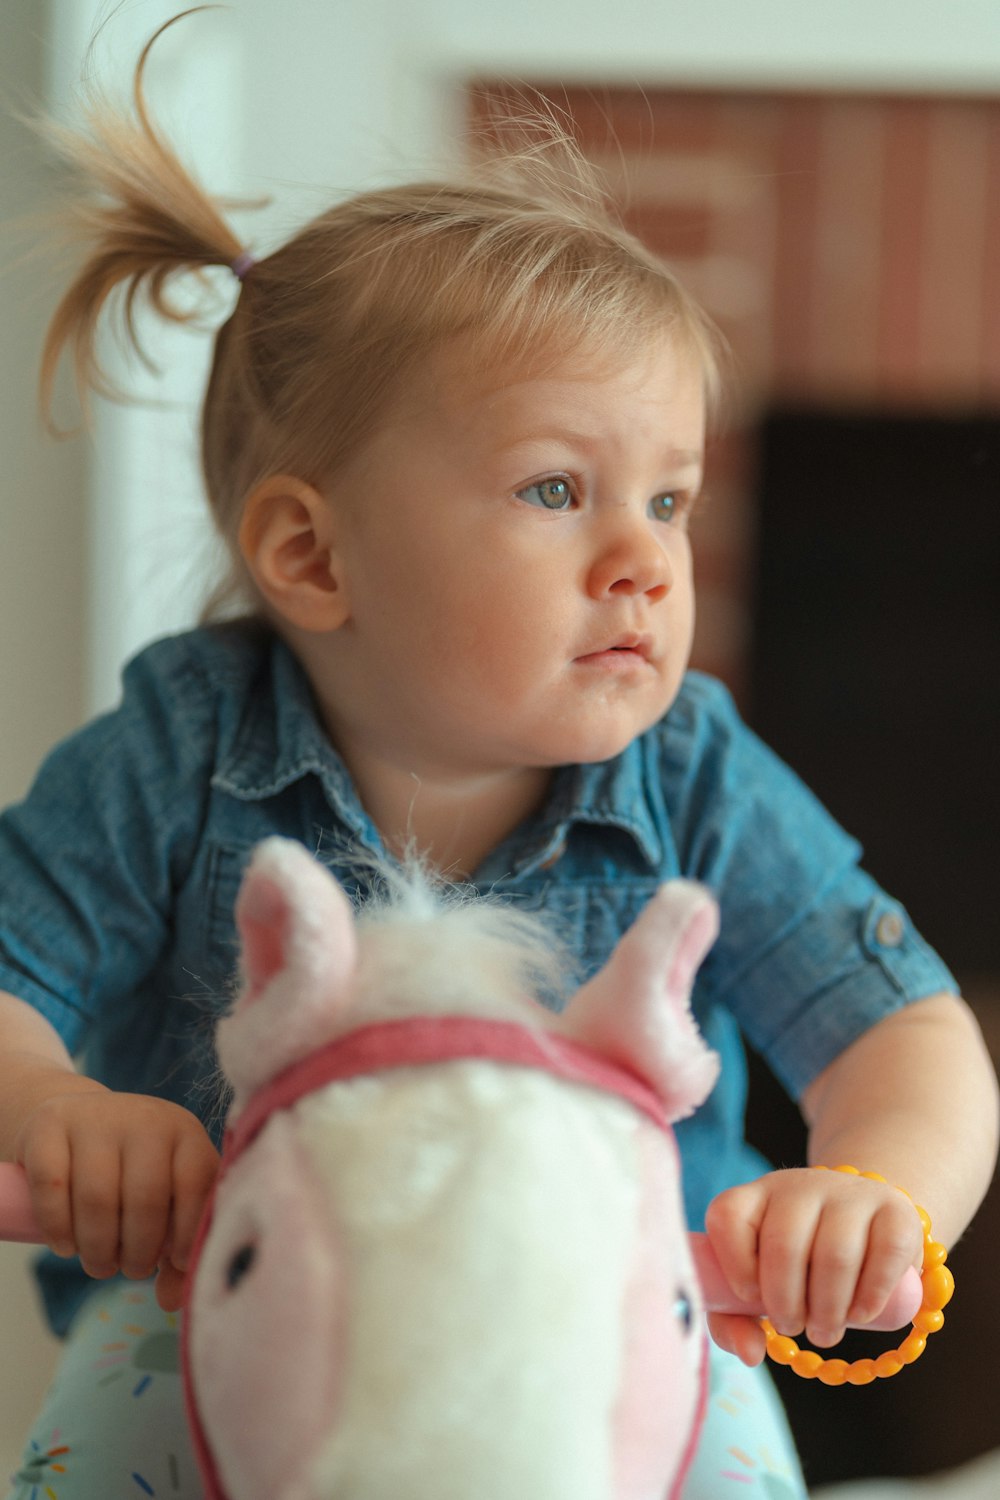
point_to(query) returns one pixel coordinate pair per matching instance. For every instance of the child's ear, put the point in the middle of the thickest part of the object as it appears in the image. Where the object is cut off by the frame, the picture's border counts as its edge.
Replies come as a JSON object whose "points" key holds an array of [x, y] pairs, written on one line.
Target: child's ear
{"points": [[287, 538]]}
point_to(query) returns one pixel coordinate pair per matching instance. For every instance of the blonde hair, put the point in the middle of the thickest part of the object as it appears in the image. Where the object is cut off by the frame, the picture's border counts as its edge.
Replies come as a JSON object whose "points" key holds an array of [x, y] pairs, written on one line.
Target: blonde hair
{"points": [[520, 258]]}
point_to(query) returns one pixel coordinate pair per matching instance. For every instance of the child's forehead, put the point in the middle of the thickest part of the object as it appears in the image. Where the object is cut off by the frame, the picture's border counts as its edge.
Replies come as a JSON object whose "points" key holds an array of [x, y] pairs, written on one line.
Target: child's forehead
{"points": [[457, 383]]}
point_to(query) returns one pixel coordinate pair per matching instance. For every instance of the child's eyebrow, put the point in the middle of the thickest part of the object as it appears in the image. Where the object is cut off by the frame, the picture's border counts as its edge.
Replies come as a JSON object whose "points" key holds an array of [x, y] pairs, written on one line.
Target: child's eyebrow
{"points": [[567, 435], [682, 457]]}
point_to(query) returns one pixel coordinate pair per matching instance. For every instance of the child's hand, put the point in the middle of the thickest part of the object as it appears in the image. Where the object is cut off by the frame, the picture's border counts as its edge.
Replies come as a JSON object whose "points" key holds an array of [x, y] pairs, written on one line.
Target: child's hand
{"points": [[819, 1250], [120, 1180]]}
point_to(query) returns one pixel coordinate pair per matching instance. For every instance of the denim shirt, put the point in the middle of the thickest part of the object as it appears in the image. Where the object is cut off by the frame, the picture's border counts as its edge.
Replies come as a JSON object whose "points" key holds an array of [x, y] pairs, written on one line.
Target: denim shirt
{"points": [[119, 872]]}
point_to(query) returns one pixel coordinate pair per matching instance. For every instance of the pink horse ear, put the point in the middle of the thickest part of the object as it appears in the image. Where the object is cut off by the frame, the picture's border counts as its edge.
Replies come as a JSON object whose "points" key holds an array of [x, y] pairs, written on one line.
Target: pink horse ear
{"points": [[298, 952], [264, 923], [637, 1010]]}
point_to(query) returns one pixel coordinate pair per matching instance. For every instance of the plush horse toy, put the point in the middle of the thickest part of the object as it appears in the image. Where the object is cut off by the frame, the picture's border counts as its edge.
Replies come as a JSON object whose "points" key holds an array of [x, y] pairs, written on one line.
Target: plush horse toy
{"points": [[446, 1255]]}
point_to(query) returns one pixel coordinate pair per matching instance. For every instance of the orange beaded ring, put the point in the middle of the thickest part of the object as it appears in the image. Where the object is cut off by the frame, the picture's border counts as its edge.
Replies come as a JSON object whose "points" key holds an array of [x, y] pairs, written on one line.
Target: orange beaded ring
{"points": [[938, 1285]]}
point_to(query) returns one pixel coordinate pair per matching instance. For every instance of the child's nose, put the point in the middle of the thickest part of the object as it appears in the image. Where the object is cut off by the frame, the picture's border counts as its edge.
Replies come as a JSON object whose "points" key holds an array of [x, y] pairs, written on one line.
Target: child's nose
{"points": [[632, 561]]}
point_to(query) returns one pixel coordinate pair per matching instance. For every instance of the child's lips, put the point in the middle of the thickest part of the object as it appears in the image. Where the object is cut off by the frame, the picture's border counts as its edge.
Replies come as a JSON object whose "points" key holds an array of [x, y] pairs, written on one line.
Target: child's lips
{"points": [[628, 651]]}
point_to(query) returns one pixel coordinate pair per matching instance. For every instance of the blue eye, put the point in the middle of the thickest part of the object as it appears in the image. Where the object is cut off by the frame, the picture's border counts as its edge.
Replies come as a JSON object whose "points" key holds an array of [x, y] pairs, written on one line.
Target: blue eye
{"points": [[664, 507], [552, 494], [684, 1310]]}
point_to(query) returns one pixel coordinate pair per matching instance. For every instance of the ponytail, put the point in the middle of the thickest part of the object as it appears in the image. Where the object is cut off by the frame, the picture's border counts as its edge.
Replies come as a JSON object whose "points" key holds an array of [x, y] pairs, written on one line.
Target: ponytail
{"points": [[140, 217]]}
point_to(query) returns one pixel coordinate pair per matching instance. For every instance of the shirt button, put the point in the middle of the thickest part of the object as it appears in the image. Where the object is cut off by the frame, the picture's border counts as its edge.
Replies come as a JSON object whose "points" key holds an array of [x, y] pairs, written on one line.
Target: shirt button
{"points": [[889, 929]]}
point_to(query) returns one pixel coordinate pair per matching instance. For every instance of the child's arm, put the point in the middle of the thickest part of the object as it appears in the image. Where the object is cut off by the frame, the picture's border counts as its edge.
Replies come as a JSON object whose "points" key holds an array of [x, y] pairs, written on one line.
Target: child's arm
{"points": [[914, 1099], [119, 1179]]}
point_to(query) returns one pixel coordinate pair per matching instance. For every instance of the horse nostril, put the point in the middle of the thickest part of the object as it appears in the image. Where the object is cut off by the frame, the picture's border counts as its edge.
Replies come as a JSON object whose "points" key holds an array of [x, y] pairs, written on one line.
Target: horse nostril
{"points": [[240, 1265], [683, 1310]]}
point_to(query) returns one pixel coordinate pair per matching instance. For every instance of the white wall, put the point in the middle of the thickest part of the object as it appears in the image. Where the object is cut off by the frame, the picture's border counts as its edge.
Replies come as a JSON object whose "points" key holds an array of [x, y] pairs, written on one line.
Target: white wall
{"points": [[42, 495], [101, 545], [42, 614], [894, 44]]}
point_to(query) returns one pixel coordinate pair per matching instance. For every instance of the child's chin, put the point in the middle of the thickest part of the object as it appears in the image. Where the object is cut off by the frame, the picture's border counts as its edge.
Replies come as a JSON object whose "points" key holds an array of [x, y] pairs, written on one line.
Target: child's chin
{"points": [[611, 739], [604, 746]]}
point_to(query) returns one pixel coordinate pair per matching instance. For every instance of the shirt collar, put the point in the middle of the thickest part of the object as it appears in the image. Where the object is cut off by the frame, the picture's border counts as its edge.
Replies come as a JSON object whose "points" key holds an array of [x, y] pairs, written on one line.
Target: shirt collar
{"points": [[279, 741], [616, 794], [608, 794]]}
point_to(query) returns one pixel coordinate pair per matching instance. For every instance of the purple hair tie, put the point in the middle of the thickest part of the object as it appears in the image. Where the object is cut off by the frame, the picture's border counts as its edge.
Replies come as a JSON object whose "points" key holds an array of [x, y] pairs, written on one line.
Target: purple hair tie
{"points": [[242, 264]]}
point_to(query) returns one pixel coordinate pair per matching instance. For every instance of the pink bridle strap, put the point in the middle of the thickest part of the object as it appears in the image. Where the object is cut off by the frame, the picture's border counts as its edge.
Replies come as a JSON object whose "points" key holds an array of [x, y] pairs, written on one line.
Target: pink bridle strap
{"points": [[424, 1041]]}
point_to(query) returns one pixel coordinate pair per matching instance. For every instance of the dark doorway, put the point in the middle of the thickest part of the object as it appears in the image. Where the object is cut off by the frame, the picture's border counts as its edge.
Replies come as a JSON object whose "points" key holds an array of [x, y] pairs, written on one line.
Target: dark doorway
{"points": [[875, 671], [876, 659]]}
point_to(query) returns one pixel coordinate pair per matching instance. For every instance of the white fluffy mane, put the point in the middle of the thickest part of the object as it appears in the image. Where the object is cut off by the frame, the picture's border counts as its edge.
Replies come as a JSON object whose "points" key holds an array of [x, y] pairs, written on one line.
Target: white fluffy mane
{"points": [[429, 946]]}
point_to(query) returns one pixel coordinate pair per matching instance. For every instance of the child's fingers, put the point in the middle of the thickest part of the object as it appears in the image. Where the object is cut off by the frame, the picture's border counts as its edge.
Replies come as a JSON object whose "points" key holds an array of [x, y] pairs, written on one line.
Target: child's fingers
{"points": [[785, 1245], [170, 1288], [145, 1213], [738, 1335], [731, 1225], [895, 1242], [119, 1180], [97, 1202], [195, 1165], [822, 1251], [840, 1251], [47, 1163]]}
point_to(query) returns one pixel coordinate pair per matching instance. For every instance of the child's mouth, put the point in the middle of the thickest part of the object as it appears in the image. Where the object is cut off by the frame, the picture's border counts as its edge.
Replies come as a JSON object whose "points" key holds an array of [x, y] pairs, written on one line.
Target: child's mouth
{"points": [[629, 651], [616, 659]]}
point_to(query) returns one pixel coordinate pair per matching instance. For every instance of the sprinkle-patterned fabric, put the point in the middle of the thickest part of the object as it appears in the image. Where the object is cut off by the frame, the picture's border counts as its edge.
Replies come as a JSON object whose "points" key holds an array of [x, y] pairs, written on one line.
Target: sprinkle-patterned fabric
{"points": [[113, 1424]]}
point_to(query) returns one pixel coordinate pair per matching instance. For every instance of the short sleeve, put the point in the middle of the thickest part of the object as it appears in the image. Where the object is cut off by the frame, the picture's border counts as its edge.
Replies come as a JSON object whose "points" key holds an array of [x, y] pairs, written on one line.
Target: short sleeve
{"points": [[812, 952], [90, 860]]}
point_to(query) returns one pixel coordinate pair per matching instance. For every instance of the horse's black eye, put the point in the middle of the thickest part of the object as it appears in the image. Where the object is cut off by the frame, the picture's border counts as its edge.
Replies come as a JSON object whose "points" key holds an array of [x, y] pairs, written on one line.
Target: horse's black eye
{"points": [[683, 1309], [240, 1265]]}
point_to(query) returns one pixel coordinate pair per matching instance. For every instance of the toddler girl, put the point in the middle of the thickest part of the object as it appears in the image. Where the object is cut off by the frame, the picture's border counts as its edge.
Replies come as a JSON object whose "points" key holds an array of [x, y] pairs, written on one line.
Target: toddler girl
{"points": [[454, 438]]}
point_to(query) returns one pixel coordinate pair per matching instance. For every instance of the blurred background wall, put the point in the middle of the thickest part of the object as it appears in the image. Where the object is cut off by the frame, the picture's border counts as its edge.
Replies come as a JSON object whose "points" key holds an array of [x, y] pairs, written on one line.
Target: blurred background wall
{"points": [[102, 540]]}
